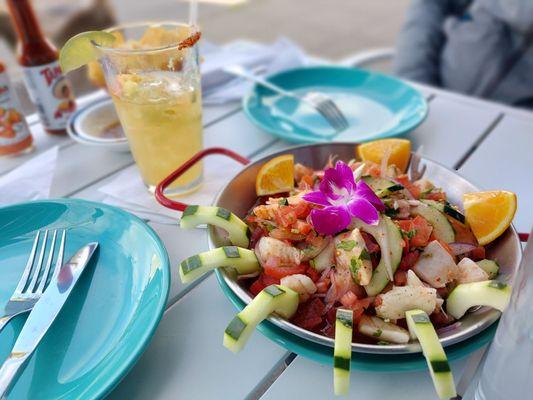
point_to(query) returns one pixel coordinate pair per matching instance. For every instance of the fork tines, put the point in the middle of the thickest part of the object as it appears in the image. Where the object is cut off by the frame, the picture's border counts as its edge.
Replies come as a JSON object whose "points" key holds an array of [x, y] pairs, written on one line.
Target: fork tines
{"points": [[35, 278]]}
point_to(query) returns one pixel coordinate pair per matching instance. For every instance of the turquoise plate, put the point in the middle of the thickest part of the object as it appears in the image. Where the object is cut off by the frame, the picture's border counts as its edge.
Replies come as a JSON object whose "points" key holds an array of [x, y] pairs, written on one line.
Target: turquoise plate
{"points": [[375, 105], [360, 361], [112, 313]]}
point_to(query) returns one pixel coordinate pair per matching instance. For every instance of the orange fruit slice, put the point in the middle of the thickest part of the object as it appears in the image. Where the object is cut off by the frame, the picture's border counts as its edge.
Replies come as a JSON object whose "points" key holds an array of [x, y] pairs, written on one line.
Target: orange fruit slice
{"points": [[276, 176], [400, 152], [489, 214]]}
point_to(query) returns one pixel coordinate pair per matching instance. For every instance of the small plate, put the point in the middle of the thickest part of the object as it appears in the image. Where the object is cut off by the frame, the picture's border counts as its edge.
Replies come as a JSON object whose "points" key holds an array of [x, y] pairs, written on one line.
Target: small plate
{"points": [[97, 124], [112, 313], [375, 105]]}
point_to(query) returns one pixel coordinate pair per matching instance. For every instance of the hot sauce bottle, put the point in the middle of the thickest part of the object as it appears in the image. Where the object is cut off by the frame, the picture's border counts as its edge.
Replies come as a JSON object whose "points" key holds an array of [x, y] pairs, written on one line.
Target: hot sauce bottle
{"points": [[15, 137], [48, 88]]}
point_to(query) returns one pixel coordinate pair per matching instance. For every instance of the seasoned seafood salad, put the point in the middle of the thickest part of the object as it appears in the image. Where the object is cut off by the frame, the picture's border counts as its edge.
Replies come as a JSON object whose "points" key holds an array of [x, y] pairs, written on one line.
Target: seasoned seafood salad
{"points": [[359, 252], [366, 238]]}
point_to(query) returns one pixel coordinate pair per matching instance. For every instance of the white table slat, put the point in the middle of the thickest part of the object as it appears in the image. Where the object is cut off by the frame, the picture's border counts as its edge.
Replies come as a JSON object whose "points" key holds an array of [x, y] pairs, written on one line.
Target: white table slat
{"points": [[306, 379], [504, 161], [451, 129], [186, 359]]}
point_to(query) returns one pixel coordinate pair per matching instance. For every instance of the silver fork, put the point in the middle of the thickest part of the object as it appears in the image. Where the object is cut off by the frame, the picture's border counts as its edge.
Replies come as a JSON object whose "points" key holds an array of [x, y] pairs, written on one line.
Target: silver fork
{"points": [[319, 101], [415, 171], [30, 287]]}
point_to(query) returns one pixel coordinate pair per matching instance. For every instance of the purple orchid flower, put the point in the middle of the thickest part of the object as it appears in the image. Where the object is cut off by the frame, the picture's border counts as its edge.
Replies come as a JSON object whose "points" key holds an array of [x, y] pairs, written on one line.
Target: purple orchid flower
{"points": [[342, 199]]}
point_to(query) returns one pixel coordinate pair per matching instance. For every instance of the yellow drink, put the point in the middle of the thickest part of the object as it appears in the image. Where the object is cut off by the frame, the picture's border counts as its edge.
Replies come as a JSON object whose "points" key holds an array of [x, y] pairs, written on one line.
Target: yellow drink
{"points": [[162, 118]]}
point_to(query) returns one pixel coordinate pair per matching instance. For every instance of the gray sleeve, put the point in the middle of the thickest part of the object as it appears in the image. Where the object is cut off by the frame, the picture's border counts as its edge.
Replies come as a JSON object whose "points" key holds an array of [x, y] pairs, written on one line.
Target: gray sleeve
{"points": [[475, 52], [420, 41], [517, 14]]}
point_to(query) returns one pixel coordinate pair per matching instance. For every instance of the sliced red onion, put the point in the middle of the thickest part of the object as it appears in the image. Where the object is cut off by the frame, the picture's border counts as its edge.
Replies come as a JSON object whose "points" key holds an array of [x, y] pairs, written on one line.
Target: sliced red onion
{"points": [[449, 328], [461, 248]]}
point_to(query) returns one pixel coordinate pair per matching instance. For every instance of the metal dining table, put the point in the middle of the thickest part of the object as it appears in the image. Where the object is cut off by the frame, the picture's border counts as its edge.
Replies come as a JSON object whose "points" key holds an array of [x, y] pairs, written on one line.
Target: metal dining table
{"points": [[488, 143]]}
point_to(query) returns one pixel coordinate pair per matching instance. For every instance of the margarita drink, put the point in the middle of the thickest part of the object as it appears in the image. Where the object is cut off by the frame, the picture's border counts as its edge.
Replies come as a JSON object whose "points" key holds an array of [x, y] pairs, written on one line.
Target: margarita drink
{"points": [[155, 86]]}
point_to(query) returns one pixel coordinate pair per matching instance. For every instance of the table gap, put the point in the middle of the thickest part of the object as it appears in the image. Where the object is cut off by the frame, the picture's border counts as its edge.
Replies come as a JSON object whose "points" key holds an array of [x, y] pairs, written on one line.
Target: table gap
{"points": [[479, 141], [271, 377]]}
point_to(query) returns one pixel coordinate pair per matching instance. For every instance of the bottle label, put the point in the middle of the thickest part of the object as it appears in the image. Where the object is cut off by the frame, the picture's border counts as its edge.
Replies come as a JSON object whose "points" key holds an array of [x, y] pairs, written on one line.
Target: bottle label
{"points": [[13, 128], [51, 93]]}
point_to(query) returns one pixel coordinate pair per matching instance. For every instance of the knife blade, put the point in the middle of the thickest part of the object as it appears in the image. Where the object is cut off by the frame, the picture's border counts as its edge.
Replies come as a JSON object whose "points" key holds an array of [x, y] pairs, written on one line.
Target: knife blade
{"points": [[44, 313]]}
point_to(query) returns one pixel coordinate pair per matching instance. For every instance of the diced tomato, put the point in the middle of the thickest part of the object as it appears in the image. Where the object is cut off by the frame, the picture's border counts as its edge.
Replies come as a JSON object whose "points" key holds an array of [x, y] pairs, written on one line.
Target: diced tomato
{"points": [[262, 282], [302, 227], [302, 209], [313, 274], [443, 292], [422, 232], [307, 180], [405, 245], [309, 314], [373, 169], [257, 234], [400, 278], [279, 272], [463, 234], [413, 189], [409, 260], [478, 253], [370, 243], [285, 216], [437, 196], [331, 315]]}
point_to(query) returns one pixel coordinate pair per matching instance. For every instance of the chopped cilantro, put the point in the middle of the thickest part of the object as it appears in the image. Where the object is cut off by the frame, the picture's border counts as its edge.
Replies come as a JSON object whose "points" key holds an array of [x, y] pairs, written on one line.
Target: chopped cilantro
{"points": [[355, 264], [347, 245], [364, 255], [411, 234], [377, 333]]}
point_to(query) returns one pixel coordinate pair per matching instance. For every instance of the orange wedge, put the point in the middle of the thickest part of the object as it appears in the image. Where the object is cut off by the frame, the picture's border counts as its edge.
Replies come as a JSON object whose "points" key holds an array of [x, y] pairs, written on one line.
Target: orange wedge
{"points": [[489, 214], [276, 176], [399, 149]]}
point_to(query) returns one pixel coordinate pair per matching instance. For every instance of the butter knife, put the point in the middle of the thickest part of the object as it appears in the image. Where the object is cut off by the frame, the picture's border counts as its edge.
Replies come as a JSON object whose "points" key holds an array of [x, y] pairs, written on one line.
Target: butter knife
{"points": [[43, 314]]}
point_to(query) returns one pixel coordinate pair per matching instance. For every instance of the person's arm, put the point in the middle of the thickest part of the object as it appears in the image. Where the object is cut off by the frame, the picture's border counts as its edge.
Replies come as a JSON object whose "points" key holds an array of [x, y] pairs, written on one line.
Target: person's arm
{"points": [[421, 40], [516, 14]]}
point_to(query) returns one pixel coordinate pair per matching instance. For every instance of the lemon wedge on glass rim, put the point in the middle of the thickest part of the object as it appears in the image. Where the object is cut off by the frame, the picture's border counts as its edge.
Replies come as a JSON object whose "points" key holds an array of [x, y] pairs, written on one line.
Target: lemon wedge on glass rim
{"points": [[80, 50]]}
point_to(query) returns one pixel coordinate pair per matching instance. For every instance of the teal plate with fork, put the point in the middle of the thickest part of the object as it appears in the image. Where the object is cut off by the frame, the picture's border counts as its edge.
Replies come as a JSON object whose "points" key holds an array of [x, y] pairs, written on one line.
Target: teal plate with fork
{"points": [[113, 311], [375, 105]]}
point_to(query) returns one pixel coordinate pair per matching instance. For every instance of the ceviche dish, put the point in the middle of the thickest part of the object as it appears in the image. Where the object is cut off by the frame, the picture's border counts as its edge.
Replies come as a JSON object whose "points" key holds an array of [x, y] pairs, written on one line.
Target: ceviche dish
{"points": [[359, 251]]}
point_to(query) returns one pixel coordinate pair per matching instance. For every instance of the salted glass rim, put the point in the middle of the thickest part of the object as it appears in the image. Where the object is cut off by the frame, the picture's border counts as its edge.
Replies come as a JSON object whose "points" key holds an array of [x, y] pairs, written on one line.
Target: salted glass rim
{"points": [[148, 24]]}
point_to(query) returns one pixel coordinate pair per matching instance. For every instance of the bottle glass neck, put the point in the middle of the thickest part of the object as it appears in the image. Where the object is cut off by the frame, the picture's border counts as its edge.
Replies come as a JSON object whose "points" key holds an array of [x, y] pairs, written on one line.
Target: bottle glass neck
{"points": [[26, 23]]}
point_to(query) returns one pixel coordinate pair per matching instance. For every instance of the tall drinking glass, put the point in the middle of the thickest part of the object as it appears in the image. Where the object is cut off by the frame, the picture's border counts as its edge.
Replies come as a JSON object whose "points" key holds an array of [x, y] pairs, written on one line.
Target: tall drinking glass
{"points": [[152, 74], [508, 370]]}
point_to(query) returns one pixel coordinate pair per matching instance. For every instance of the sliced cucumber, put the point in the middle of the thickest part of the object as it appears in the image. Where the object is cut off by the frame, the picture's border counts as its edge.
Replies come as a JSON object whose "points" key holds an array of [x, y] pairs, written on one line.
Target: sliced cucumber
{"points": [[442, 228], [197, 215], [446, 208], [382, 187], [491, 267], [274, 298], [421, 327], [390, 241], [494, 294], [342, 353], [243, 260]]}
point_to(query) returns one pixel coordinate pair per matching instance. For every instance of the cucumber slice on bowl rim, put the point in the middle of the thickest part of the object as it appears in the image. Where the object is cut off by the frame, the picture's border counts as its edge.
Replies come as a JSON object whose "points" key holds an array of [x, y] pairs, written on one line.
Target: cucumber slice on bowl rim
{"points": [[421, 327], [274, 298], [237, 229], [342, 353], [243, 260], [493, 293]]}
